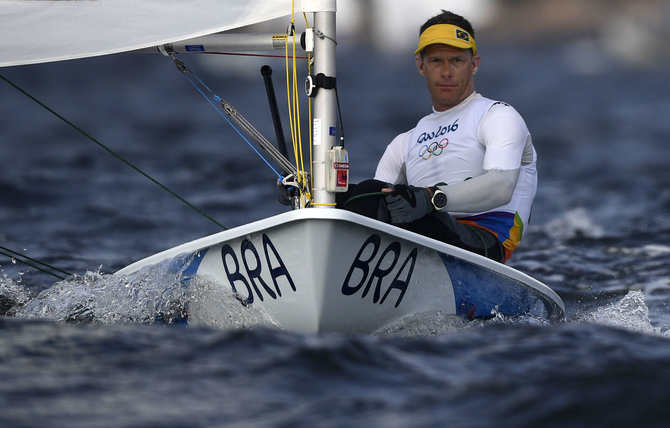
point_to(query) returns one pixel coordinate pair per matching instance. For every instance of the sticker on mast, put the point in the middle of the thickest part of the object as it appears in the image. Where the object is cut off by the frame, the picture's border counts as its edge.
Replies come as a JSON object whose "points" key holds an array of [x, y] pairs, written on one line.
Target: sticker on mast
{"points": [[316, 131]]}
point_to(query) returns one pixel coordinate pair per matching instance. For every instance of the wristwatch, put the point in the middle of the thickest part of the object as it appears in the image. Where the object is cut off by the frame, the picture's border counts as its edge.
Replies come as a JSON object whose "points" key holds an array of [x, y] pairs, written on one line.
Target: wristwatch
{"points": [[439, 199]]}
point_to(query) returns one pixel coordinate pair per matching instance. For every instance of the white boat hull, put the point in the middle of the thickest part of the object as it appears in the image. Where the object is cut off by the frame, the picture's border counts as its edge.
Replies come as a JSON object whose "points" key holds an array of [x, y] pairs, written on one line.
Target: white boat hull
{"points": [[318, 270]]}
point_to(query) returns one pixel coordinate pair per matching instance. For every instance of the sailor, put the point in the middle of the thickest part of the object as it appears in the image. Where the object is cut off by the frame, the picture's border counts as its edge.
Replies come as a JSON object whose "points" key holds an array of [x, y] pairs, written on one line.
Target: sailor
{"points": [[466, 173]]}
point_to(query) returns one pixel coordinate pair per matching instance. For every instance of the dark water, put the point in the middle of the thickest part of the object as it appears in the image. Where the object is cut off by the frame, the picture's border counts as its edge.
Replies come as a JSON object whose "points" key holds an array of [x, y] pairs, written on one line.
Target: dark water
{"points": [[89, 351]]}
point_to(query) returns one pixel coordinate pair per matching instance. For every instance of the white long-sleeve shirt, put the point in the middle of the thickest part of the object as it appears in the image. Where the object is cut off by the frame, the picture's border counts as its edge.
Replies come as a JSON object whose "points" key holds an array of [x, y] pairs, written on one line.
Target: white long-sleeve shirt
{"points": [[482, 150]]}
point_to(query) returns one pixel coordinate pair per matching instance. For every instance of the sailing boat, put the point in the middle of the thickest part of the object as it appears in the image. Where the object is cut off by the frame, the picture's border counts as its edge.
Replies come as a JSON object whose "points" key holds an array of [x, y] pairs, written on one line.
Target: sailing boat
{"points": [[315, 268]]}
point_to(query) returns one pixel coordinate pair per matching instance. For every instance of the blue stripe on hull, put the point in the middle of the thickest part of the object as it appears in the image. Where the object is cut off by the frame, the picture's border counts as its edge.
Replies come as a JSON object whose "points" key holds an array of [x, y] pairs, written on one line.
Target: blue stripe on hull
{"points": [[477, 291]]}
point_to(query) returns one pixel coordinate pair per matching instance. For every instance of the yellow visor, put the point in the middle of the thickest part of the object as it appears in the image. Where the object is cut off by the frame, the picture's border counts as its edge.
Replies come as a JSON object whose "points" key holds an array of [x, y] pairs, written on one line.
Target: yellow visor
{"points": [[446, 34]]}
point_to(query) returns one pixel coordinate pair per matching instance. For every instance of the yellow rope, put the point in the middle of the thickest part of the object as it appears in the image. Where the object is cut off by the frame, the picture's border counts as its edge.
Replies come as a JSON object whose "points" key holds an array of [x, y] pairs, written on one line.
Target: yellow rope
{"points": [[292, 91], [309, 108]]}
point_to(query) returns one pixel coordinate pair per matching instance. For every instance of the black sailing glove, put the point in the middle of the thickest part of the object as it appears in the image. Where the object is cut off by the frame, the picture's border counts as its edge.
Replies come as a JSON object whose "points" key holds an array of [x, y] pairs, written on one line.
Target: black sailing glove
{"points": [[408, 203]]}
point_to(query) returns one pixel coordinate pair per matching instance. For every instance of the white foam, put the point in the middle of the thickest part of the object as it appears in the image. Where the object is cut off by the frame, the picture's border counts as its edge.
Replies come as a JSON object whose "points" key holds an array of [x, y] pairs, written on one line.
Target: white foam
{"points": [[425, 324], [13, 293], [158, 293], [631, 313], [211, 305], [572, 224], [100, 298], [649, 250]]}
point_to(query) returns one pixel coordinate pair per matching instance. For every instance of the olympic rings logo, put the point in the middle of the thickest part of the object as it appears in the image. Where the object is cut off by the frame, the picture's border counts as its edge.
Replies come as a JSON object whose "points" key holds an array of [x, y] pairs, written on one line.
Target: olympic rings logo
{"points": [[434, 148]]}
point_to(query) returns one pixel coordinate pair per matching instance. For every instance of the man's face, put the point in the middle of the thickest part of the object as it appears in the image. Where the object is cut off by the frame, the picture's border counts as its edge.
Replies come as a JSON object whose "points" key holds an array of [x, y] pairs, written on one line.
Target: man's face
{"points": [[449, 73]]}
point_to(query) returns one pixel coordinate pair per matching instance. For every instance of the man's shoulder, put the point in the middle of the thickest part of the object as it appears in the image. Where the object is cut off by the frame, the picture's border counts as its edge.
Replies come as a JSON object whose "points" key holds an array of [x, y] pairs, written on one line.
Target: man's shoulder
{"points": [[401, 139], [503, 109], [490, 103], [478, 104]]}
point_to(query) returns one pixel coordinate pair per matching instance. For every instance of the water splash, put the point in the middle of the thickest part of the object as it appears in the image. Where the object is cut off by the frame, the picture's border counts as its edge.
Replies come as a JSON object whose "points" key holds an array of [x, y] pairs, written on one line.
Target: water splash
{"points": [[644, 251], [574, 224], [631, 313], [427, 324], [163, 293], [213, 305], [157, 293], [424, 324], [99, 298], [13, 295]]}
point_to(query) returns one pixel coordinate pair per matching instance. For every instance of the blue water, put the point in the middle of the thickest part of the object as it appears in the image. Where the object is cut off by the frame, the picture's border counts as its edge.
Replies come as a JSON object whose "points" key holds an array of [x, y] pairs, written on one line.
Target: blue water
{"points": [[89, 351]]}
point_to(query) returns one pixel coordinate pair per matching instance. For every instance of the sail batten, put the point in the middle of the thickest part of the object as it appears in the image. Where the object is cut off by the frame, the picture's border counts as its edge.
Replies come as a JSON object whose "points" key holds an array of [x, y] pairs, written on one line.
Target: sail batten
{"points": [[45, 31]]}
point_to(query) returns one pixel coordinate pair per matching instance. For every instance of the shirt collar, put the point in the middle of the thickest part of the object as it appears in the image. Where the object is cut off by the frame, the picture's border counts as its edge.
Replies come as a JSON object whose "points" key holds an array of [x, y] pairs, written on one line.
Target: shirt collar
{"points": [[460, 105]]}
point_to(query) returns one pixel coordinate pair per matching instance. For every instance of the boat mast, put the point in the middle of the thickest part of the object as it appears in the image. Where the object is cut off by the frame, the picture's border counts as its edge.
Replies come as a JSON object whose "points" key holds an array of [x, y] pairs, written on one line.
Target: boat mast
{"points": [[324, 123]]}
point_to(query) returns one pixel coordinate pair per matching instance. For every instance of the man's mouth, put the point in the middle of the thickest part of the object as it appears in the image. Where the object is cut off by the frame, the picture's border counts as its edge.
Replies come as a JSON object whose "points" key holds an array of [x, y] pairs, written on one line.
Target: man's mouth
{"points": [[446, 85]]}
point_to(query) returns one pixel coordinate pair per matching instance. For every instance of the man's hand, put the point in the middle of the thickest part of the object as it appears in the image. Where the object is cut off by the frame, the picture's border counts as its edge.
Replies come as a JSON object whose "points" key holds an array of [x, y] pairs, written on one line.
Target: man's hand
{"points": [[407, 203]]}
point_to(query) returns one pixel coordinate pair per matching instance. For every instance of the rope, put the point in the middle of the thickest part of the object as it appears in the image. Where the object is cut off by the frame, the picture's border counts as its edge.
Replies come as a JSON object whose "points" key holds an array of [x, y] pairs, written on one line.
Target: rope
{"points": [[215, 101], [310, 122], [247, 54], [292, 92], [15, 256], [363, 195], [113, 153], [247, 127]]}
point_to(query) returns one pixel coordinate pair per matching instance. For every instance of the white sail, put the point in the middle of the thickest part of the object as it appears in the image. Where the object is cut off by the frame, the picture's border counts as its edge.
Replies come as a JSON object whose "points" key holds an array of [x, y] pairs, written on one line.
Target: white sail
{"points": [[55, 30]]}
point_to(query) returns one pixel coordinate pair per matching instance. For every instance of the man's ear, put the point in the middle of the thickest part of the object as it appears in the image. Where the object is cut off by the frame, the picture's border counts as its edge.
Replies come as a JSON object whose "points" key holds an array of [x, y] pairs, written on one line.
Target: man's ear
{"points": [[476, 60], [419, 64]]}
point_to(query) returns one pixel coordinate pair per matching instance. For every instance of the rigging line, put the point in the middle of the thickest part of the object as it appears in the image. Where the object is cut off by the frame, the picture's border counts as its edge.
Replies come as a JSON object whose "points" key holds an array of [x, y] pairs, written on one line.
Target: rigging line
{"points": [[34, 265], [113, 153], [293, 120], [290, 113], [246, 54], [216, 99], [291, 117], [310, 123], [322, 36], [247, 127], [34, 260], [294, 116], [17, 254]]}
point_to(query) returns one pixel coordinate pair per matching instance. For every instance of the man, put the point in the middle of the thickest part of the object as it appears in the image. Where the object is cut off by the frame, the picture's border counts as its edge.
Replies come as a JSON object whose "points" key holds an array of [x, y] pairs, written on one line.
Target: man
{"points": [[466, 174]]}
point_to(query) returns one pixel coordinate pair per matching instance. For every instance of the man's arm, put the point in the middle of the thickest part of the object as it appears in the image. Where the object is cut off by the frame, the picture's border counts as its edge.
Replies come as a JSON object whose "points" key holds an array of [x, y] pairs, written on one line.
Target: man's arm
{"points": [[391, 166], [483, 193], [504, 134]]}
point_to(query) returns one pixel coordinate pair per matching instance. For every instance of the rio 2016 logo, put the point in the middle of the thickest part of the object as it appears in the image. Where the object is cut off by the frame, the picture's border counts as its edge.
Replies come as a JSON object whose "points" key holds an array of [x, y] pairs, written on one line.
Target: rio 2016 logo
{"points": [[435, 148], [426, 151]]}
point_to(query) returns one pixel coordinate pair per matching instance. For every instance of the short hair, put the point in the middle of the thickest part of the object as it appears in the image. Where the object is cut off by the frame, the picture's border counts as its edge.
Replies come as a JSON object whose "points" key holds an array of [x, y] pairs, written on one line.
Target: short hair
{"points": [[447, 17]]}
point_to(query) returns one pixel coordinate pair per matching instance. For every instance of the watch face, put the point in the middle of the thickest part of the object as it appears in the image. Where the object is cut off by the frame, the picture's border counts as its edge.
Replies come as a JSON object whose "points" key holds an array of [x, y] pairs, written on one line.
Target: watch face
{"points": [[439, 200]]}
